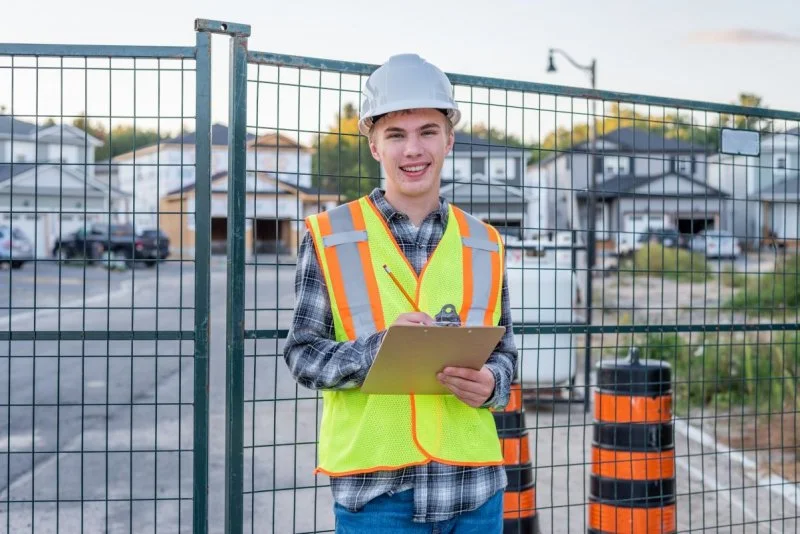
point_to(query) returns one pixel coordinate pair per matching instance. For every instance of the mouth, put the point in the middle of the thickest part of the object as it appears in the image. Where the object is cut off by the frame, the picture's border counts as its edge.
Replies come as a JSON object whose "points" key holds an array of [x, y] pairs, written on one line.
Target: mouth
{"points": [[416, 170]]}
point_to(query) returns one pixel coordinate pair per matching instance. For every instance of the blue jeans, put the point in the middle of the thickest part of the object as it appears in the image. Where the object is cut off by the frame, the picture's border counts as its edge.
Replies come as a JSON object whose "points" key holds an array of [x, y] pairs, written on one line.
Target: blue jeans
{"points": [[392, 515]]}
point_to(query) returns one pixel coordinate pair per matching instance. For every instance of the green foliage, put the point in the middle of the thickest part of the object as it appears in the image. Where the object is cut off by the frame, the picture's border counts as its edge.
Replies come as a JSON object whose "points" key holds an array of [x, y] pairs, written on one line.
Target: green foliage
{"points": [[673, 263], [729, 371], [121, 139], [342, 160], [772, 292]]}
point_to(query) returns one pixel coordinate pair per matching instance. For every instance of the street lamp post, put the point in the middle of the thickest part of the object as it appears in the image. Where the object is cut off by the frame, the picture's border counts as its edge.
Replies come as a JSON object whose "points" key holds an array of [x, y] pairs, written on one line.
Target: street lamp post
{"points": [[591, 242]]}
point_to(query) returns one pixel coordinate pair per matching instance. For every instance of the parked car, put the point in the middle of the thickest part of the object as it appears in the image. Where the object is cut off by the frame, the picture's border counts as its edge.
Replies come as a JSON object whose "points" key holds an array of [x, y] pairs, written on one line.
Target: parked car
{"points": [[716, 244], [113, 243], [157, 243], [667, 237], [15, 247], [630, 242]]}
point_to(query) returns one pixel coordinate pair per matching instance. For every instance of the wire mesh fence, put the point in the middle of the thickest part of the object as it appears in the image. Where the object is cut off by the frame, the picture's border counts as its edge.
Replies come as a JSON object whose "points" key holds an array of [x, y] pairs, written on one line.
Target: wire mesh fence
{"points": [[629, 221], [98, 280]]}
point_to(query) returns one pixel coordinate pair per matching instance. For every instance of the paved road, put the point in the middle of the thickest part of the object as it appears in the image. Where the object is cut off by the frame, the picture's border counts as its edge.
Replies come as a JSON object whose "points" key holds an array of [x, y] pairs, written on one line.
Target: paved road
{"points": [[72, 403]]}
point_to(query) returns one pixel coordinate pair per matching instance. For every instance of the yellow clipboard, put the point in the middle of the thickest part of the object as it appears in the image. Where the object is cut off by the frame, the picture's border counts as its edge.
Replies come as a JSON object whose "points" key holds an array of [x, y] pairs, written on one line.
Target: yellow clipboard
{"points": [[409, 357]]}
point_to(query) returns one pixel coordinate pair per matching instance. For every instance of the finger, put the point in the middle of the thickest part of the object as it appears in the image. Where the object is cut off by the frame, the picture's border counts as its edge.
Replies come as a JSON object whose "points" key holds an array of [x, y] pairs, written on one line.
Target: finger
{"points": [[462, 372], [463, 395], [475, 388], [416, 318], [466, 397]]}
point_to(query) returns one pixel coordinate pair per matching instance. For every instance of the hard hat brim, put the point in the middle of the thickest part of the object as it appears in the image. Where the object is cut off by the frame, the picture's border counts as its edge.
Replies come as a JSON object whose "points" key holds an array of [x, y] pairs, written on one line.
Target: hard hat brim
{"points": [[453, 114]]}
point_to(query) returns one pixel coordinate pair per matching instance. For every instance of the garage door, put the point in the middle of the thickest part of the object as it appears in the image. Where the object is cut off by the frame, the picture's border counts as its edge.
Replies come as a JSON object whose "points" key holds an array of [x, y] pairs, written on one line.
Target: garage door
{"points": [[33, 228], [640, 223]]}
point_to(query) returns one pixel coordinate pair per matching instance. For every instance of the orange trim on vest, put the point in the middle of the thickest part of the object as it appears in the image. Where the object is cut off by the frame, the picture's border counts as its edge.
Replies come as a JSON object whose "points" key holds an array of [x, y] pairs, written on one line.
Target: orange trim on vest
{"points": [[496, 268], [335, 271], [319, 470], [463, 227], [369, 271]]}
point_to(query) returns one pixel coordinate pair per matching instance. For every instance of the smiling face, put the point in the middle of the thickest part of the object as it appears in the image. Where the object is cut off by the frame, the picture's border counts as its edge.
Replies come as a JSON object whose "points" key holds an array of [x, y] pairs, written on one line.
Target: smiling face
{"points": [[412, 146]]}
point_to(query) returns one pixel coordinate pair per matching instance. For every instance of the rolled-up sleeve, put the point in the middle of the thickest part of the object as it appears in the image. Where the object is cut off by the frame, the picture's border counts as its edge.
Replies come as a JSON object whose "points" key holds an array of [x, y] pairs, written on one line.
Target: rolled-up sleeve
{"points": [[503, 360], [315, 359]]}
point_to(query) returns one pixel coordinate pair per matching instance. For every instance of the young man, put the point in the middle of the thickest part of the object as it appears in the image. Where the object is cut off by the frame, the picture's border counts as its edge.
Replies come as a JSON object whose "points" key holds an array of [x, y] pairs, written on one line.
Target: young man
{"points": [[404, 463]]}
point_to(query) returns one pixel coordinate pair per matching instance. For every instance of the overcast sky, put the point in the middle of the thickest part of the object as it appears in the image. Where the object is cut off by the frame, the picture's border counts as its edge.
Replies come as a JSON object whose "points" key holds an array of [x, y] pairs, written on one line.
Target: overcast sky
{"points": [[702, 50]]}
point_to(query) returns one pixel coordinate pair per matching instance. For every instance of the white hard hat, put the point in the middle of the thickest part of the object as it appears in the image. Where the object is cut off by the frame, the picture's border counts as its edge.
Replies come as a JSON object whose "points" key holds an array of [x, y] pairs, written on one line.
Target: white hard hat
{"points": [[406, 81]]}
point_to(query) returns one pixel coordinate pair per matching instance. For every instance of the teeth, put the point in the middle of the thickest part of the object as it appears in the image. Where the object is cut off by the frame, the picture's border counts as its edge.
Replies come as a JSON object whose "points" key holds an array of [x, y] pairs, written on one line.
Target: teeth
{"points": [[415, 168]]}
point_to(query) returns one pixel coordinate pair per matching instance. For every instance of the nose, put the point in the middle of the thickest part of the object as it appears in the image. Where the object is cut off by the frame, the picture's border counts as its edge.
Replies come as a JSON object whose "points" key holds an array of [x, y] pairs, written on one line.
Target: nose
{"points": [[413, 146]]}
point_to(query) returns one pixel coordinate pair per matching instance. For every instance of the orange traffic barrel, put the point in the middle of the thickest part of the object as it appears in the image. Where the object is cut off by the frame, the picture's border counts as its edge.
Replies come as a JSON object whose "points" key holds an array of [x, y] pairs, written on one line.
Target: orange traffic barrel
{"points": [[632, 483], [519, 500]]}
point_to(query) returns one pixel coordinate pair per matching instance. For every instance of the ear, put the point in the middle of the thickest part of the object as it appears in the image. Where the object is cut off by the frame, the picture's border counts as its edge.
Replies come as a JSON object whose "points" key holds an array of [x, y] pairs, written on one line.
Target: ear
{"points": [[373, 148], [451, 140]]}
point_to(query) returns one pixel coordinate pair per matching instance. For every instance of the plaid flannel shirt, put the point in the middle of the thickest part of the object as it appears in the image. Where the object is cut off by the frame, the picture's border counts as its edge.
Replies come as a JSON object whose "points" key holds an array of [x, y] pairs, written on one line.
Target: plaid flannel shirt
{"points": [[317, 361]]}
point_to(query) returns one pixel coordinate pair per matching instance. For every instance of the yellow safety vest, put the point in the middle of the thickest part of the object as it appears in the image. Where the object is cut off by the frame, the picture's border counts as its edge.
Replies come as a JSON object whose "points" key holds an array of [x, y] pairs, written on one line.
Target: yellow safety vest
{"points": [[363, 433]]}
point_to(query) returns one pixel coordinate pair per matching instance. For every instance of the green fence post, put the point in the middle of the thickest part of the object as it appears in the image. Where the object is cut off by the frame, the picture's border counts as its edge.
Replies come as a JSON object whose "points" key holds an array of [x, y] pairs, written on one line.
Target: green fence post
{"points": [[202, 280], [234, 406]]}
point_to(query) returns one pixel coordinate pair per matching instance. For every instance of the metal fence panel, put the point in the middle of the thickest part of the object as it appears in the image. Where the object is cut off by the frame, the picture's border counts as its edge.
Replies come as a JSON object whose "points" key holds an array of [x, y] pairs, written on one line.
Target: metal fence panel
{"points": [[103, 337], [657, 172]]}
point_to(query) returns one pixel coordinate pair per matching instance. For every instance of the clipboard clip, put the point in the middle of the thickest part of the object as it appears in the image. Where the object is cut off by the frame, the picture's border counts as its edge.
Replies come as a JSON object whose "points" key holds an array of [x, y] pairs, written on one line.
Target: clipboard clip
{"points": [[447, 316]]}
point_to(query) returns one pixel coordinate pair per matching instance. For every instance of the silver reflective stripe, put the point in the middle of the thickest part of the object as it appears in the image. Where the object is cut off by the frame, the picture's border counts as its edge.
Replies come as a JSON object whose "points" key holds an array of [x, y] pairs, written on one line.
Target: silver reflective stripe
{"points": [[483, 244], [481, 269], [356, 236], [352, 271]]}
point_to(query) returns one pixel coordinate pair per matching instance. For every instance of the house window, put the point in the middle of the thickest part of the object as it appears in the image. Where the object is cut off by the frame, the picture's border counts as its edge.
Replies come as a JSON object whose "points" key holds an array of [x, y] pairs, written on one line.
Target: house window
{"points": [[780, 162], [616, 165], [684, 165], [568, 161], [21, 158], [478, 166]]}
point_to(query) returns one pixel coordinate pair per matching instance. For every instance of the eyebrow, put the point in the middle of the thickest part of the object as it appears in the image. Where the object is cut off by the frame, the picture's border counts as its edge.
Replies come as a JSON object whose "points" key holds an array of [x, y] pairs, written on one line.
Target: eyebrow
{"points": [[395, 129]]}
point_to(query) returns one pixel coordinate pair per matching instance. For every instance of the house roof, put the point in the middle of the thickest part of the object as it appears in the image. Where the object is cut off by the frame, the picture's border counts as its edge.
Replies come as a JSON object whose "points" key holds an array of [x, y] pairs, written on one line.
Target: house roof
{"points": [[19, 127], [625, 186], [219, 136], [466, 142], [7, 170], [784, 189], [641, 140], [224, 174], [276, 140], [630, 139]]}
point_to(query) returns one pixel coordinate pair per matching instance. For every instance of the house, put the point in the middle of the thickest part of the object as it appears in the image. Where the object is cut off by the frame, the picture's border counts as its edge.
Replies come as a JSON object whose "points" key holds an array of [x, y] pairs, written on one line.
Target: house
{"points": [[628, 163], [148, 173], [275, 210], [280, 195], [764, 191], [47, 182]]}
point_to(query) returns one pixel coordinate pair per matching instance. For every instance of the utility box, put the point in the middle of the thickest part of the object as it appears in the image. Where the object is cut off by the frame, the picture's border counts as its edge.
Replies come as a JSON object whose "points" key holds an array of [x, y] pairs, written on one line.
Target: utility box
{"points": [[544, 291]]}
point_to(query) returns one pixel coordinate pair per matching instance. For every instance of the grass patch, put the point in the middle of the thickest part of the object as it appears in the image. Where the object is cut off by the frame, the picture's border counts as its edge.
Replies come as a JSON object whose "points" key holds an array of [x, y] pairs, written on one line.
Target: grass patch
{"points": [[731, 278], [771, 292], [729, 371], [672, 263]]}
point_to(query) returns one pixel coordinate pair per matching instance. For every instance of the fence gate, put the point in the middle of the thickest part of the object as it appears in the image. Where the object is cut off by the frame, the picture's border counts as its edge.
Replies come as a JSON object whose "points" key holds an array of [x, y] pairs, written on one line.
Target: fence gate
{"points": [[683, 212], [104, 346]]}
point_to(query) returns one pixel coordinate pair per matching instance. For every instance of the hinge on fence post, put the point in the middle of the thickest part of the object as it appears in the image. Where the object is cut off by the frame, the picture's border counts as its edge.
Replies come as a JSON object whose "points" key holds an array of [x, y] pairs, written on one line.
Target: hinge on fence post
{"points": [[222, 27]]}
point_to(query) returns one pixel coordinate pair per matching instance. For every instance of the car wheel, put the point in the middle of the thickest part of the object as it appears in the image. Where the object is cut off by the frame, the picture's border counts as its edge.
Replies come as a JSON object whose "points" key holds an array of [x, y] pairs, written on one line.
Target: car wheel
{"points": [[61, 255], [17, 264], [127, 259]]}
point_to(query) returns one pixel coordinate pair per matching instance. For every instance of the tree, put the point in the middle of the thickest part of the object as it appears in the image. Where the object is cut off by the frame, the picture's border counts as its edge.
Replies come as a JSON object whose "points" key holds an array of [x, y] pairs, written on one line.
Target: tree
{"points": [[121, 139], [342, 160], [747, 122]]}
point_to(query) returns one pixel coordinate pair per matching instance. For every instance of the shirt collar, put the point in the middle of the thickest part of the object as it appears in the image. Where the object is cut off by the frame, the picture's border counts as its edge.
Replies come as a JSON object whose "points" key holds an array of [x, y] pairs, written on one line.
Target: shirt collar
{"points": [[388, 212]]}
